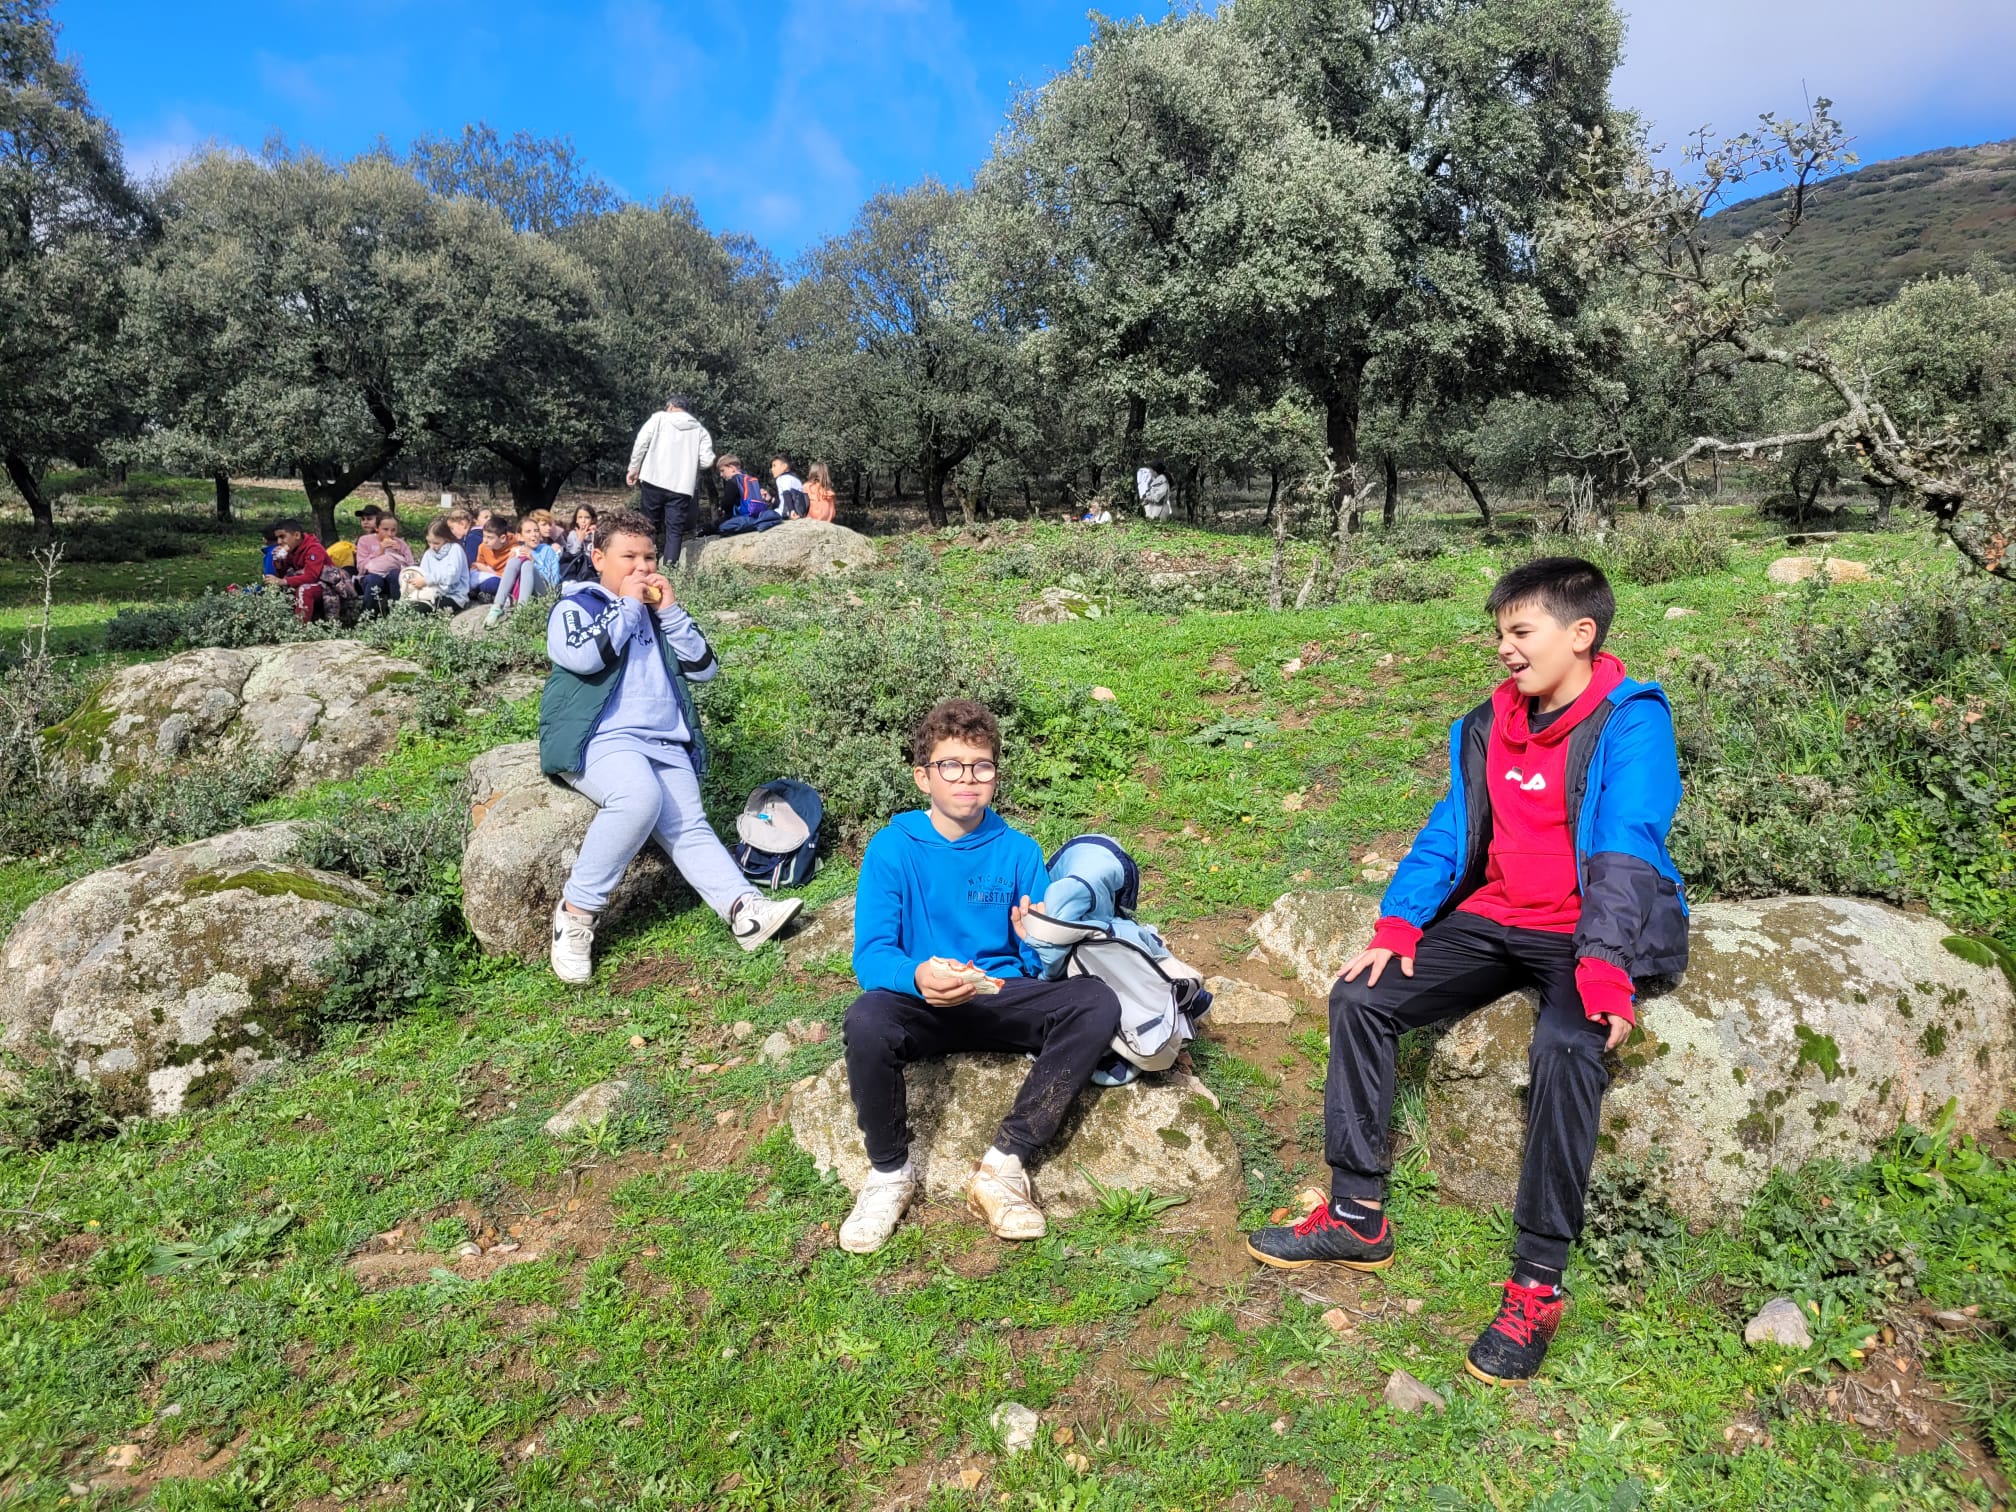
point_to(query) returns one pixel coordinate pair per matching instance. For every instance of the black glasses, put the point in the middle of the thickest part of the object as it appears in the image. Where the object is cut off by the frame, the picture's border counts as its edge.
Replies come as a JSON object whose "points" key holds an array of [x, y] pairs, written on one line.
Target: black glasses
{"points": [[952, 771]]}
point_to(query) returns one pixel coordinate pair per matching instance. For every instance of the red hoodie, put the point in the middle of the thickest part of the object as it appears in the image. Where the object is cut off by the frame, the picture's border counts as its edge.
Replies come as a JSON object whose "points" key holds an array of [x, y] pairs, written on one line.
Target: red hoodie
{"points": [[1530, 879], [305, 562]]}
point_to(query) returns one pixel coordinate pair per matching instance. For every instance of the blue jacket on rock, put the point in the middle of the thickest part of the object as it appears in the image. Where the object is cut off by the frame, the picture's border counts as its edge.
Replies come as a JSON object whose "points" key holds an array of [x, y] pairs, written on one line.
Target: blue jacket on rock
{"points": [[1623, 790]]}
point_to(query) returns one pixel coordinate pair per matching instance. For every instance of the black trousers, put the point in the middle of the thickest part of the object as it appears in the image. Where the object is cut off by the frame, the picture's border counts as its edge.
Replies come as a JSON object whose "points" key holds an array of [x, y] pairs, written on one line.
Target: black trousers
{"points": [[1067, 1025], [670, 515], [1461, 964]]}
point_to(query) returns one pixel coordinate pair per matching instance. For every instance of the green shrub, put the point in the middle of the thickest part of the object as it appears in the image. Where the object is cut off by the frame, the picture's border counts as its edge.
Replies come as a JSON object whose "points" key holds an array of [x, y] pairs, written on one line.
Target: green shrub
{"points": [[1651, 549], [1874, 752], [1408, 582], [48, 1102], [392, 959], [192, 802], [127, 535], [404, 852], [230, 620]]}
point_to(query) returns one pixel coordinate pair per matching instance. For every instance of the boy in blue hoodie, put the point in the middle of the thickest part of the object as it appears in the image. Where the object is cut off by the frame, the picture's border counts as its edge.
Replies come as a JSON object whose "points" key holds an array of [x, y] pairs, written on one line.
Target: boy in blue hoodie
{"points": [[941, 900], [1544, 867]]}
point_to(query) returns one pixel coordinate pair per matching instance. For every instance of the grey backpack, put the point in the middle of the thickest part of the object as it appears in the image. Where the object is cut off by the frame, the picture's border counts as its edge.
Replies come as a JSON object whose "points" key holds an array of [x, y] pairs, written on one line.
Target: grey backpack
{"points": [[1160, 1001]]}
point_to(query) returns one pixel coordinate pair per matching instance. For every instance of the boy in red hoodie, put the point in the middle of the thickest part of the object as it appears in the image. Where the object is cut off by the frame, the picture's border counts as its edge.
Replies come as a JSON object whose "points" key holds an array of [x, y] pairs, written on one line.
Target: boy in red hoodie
{"points": [[1545, 867], [302, 570]]}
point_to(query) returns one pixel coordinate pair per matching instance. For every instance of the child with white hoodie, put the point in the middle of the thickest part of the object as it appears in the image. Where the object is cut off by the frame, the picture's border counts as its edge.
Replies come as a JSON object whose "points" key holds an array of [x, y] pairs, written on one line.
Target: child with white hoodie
{"points": [[441, 577]]}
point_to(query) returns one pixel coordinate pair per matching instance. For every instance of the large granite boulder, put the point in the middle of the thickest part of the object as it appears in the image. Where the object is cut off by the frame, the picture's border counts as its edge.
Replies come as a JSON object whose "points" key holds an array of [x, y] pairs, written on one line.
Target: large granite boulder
{"points": [[525, 833], [1804, 1028], [795, 549], [172, 979], [321, 709], [1157, 1135]]}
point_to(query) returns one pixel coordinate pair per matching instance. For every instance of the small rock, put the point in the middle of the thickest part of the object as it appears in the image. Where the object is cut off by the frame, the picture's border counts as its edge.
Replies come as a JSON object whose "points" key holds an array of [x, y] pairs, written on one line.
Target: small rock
{"points": [[1386, 661], [1797, 569], [970, 1479], [1078, 1463], [1017, 1426], [1778, 1321], [635, 1420], [1337, 1320], [173, 1409], [636, 1042], [123, 1456], [468, 1248], [815, 1034], [742, 1030], [590, 1105], [1412, 1306], [1958, 1319], [1291, 803], [508, 1247], [776, 1048], [1680, 611], [724, 1118], [1237, 1002], [529, 1448], [1104, 695], [1280, 1427], [1405, 1394], [1290, 668]]}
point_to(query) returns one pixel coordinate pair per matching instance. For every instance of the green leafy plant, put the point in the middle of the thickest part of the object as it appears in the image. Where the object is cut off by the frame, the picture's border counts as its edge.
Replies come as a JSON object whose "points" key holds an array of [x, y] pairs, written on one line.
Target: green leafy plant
{"points": [[1125, 1208]]}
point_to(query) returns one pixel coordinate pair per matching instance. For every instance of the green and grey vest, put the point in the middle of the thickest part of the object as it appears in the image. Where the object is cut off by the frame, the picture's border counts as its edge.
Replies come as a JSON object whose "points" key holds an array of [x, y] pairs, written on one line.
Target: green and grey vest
{"points": [[573, 705]]}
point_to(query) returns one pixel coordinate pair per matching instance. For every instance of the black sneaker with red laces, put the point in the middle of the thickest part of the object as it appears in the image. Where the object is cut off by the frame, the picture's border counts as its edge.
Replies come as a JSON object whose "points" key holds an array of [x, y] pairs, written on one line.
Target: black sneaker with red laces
{"points": [[1511, 1349], [1323, 1236]]}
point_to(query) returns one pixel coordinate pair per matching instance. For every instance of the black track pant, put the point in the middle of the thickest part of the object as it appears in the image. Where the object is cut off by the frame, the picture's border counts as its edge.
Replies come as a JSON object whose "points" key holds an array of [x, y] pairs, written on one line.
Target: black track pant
{"points": [[671, 516], [1461, 964], [1067, 1025]]}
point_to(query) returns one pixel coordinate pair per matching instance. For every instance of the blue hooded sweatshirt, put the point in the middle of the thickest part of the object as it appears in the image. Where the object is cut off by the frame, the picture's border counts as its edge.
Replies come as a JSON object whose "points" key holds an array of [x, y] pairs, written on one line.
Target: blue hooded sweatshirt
{"points": [[921, 895]]}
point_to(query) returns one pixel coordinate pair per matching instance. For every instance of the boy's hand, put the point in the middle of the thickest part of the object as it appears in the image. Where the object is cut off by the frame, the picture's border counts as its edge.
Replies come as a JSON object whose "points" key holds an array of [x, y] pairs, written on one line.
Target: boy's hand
{"points": [[663, 599], [633, 586], [939, 987], [1376, 960], [1620, 1029], [1020, 912], [630, 478]]}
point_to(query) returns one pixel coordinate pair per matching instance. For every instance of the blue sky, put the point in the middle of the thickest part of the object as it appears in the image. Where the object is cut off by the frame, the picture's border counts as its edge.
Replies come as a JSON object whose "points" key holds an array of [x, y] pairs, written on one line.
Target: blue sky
{"points": [[779, 116]]}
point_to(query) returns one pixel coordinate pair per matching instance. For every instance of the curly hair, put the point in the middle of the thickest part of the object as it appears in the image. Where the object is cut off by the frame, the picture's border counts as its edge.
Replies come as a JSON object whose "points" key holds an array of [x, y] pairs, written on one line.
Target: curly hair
{"points": [[955, 719], [622, 522]]}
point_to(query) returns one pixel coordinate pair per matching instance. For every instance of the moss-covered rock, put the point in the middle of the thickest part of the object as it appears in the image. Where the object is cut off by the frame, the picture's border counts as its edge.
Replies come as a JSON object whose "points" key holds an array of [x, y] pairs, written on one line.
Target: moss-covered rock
{"points": [[175, 978], [320, 708], [1156, 1135], [1804, 1028]]}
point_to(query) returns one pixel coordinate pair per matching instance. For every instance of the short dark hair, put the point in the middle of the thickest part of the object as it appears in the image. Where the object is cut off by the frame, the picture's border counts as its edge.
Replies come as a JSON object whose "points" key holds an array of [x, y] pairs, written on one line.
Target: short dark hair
{"points": [[677, 401], [503, 522], [1568, 588], [370, 512], [780, 457], [293, 525], [271, 534], [955, 719], [622, 522]]}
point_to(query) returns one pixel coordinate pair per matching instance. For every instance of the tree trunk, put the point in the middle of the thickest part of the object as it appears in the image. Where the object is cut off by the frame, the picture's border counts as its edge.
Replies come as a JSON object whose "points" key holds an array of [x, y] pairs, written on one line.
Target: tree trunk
{"points": [[1277, 570], [1273, 494], [391, 499], [1340, 435], [1095, 478], [934, 492], [1644, 498], [1469, 482], [27, 482], [1389, 511], [857, 488], [1028, 500], [1884, 498], [221, 483], [1137, 421], [896, 485]]}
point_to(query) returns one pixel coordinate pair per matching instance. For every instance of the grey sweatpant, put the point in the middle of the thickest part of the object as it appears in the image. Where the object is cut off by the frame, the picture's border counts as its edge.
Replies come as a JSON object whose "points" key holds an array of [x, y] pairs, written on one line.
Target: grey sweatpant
{"points": [[654, 797]]}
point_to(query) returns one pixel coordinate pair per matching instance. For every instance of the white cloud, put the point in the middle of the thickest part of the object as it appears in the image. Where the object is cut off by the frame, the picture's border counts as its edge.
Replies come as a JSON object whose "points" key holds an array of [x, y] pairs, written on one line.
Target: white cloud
{"points": [[160, 152], [1886, 66]]}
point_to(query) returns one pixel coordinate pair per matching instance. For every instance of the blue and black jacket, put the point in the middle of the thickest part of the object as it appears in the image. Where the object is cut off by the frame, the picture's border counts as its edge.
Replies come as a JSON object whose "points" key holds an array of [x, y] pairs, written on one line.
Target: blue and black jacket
{"points": [[1623, 789]]}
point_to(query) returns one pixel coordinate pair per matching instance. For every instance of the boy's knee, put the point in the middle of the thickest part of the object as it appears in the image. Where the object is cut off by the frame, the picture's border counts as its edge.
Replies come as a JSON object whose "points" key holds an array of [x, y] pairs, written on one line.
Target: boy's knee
{"points": [[1100, 1006], [871, 1021], [1566, 1046], [1349, 1000]]}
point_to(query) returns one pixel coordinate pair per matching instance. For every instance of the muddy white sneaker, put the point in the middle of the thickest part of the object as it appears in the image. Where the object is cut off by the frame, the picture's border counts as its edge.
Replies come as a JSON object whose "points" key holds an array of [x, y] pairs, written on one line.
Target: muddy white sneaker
{"points": [[881, 1204], [1002, 1198], [755, 918], [573, 953]]}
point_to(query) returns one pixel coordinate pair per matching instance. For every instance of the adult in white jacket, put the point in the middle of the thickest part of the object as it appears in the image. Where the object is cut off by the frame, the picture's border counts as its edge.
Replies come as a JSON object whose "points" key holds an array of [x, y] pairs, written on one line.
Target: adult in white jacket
{"points": [[665, 465]]}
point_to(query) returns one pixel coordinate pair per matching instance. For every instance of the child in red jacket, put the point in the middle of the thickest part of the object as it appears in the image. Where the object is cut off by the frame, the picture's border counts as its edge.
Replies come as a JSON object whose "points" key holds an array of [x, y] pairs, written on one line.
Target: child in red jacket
{"points": [[302, 569], [1545, 867]]}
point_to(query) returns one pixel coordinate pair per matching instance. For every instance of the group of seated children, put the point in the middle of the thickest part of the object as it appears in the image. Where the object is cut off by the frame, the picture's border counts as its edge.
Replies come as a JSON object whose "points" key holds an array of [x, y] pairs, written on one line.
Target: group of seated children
{"points": [[751, 504], [472, 557]]}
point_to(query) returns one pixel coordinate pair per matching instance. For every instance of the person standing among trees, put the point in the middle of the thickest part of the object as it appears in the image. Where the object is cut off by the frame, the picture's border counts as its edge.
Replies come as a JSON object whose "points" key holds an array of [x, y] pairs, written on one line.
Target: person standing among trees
{"points": [[665, 463]]}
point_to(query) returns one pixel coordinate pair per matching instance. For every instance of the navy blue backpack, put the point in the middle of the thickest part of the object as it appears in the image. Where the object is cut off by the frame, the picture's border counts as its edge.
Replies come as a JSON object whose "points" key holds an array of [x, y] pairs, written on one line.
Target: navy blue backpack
{"points": [[778, 834]]}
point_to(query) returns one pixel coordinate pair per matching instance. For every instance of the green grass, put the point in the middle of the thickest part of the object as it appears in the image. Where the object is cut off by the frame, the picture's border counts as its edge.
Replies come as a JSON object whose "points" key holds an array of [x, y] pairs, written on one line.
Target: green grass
{"points": [[679, 1329]]}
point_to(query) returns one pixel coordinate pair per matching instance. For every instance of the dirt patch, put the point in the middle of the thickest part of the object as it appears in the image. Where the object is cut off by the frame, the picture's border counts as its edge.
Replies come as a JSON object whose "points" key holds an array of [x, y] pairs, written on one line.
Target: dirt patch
{"points": [[667, 969]]}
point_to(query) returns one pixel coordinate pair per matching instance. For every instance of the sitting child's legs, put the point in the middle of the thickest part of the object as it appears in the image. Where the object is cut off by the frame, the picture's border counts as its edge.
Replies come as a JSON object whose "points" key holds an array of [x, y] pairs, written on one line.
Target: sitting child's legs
{"points": [[684, 834], [1564, 1112], [624, 788], [1068, 1025]]}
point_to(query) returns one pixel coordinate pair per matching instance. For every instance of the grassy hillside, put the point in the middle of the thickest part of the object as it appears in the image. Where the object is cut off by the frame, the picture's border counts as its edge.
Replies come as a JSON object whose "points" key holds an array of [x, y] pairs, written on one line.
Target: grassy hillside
{"points": [[1891, 222], [372, 1281]]}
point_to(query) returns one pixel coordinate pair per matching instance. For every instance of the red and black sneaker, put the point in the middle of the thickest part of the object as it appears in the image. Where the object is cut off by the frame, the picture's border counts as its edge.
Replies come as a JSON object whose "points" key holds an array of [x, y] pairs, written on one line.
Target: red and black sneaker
{"points": [[1511, 1349], [1323, 1236]]}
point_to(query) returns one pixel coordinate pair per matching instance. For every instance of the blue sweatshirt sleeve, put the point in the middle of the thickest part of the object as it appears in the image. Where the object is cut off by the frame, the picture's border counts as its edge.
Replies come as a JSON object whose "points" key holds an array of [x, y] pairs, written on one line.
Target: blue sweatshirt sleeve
{"points": [[880, 963]]}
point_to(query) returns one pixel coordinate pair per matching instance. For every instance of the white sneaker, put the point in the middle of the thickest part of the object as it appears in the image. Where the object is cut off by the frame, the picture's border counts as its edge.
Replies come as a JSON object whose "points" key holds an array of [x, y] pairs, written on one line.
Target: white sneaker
{"points": [[1002, 1197], [573, 953], [876, 1211], [756, 918]]}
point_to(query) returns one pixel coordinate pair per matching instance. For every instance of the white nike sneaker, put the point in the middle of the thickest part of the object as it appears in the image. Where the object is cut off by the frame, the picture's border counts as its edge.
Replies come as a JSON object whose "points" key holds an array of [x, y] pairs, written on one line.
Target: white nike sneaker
{"points": [[756, 918], [882, 1202], [573, 953], [1003, 1199]]}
